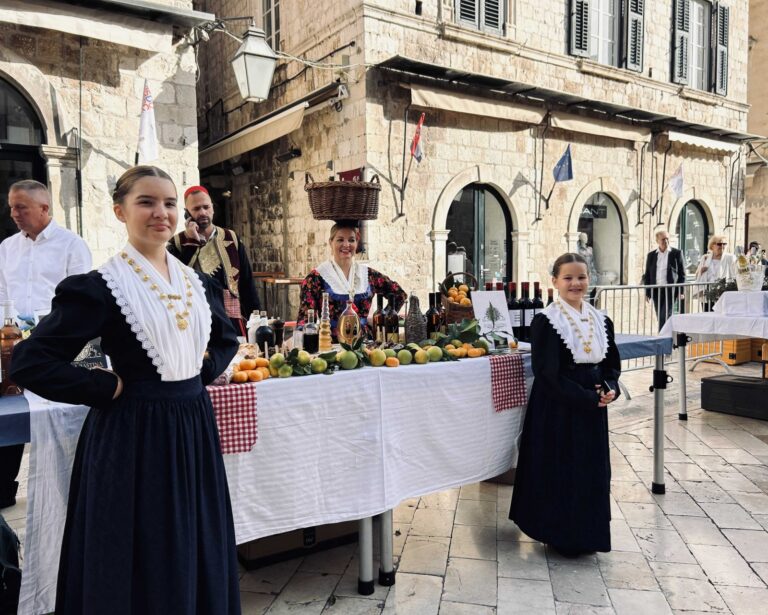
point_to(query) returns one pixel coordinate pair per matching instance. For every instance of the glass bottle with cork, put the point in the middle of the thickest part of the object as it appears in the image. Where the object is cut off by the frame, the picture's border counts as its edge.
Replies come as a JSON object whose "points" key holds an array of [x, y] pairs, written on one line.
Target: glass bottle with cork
{"points": [[377, 320], [325, 339], [392, 321], [433, 316], [310, 337], [10, 335]]}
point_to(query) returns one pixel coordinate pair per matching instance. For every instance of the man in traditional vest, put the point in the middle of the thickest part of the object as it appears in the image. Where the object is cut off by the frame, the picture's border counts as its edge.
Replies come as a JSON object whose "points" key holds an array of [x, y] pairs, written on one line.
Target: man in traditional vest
{"points": [[217, 252]]}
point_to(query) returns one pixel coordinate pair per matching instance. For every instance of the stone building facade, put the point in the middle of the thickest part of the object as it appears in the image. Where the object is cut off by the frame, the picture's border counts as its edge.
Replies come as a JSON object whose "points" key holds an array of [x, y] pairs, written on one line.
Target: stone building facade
{"points": [[505, 88], [71, 86]]}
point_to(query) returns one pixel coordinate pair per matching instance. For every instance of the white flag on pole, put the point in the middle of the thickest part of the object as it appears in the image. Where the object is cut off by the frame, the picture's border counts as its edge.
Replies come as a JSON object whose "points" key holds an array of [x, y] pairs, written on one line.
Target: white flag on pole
{"points": [[147, 151], [676, 182]]}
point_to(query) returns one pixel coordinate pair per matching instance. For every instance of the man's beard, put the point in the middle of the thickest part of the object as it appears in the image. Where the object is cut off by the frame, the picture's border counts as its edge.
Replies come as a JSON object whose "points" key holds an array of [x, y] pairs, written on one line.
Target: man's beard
{"points": [[203, 223]]}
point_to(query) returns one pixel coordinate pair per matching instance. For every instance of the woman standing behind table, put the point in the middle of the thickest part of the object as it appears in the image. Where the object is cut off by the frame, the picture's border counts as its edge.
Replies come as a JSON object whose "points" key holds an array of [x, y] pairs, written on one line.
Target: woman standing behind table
{"points": [[714, 265], [562, 485], [149, 523], [343, 278]]}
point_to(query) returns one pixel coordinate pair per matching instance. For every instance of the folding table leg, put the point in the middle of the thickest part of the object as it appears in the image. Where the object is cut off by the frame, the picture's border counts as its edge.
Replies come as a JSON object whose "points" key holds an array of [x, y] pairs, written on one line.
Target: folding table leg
{"points": [[682, 341], [365, 541], [660, 380], [386, 565]]}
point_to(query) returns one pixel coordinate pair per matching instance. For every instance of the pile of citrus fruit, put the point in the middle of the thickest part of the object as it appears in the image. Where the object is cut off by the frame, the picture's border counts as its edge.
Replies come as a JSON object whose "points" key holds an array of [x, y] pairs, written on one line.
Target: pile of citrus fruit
{"points": [[460, 295]]}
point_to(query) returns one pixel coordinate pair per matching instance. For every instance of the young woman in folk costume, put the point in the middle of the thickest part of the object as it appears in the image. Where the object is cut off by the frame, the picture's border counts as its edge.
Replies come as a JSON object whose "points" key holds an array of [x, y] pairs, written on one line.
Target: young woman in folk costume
{"points": [[562, 484], [149, 523]]}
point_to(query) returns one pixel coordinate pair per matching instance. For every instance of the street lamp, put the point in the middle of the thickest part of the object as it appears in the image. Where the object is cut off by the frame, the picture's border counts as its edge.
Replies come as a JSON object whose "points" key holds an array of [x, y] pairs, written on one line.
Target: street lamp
{"points": [[254, 65]]}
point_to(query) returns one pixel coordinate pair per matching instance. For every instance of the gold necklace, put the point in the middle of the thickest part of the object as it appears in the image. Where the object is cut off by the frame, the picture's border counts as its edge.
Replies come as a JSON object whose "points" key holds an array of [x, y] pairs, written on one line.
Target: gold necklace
{"points": [[181, 317], [586, 343]]}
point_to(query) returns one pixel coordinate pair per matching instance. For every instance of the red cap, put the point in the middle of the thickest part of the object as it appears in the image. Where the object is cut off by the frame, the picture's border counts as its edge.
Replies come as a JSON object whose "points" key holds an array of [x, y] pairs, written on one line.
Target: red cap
{"points": [[192, 189]]}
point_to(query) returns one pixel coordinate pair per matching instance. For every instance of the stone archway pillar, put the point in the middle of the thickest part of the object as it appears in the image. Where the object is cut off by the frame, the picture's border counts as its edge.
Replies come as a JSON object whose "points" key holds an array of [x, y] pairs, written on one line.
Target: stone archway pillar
{"points": [[519, 248], [61, 164], [439, 241]]}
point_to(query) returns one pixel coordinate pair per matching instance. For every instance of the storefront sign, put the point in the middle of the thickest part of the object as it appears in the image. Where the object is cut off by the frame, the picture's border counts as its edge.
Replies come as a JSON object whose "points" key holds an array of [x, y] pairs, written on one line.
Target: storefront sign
{"points": [[594, 211]]}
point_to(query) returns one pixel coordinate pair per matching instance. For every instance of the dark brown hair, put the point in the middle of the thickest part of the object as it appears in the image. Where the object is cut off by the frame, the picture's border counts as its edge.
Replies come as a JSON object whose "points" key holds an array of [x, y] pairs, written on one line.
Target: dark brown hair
{"points": [[131, 176], [564, 259]]}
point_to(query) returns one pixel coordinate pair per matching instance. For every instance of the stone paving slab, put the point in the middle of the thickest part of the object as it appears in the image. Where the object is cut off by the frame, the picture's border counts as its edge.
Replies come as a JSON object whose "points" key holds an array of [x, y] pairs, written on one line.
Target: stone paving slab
{"points": [[700, 548]]}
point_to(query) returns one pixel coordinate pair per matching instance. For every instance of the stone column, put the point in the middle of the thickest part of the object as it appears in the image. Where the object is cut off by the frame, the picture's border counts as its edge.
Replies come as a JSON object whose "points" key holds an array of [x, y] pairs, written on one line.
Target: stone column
{"points": [[519, 249], [572, 240], [61, 164]]}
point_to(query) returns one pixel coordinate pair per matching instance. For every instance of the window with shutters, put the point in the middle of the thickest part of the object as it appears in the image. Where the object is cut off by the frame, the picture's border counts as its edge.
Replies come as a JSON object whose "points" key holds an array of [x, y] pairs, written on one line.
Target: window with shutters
{"points": [[486, 15], [698, 56], [604, 33], [271, 12], [608, 31]]}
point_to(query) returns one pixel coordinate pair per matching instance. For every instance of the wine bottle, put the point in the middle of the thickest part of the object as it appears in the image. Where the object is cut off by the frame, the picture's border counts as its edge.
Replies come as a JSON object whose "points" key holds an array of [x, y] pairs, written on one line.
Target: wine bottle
{"points": [[310, 333], [377, 320], [513, 305], [489, 286], [538, 304], [265, 336], [526, 312], [550, 295], [499, 285], [349, 325], [392, 322], [433, 316], [10, 335]]}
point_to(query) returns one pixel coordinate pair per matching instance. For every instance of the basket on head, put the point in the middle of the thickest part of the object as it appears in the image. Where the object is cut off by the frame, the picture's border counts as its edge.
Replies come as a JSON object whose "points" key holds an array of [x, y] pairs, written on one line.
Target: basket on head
{"points": [[453, 311], [341, 200]]}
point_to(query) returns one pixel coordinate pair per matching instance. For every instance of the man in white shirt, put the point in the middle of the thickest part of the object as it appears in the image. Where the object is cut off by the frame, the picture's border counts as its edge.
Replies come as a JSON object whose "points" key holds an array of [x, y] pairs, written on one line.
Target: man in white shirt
{"points": [[664, 267], [32, 263]]}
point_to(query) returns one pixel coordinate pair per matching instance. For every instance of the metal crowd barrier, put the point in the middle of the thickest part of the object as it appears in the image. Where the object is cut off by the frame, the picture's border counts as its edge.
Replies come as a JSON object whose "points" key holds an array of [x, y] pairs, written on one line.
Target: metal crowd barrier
{"points": [[633, 312]]}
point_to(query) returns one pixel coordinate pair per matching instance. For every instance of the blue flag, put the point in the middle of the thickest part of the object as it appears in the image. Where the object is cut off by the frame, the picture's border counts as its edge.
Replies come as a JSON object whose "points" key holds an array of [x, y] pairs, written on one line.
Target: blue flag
{"points": [[563, 170]]}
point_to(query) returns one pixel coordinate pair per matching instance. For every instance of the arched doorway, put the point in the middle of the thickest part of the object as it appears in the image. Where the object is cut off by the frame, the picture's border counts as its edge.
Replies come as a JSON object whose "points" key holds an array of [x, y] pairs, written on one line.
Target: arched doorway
{"points": [[479, 231], [692, 233], [601, 233], [21, 134]]}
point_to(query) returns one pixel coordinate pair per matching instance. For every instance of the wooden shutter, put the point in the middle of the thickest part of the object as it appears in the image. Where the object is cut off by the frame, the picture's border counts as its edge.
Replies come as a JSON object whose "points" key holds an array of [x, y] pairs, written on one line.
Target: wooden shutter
{"points": [[721, 20], [681, 41], [634, 37], [580, 28], [468, 13], [493, 15]]}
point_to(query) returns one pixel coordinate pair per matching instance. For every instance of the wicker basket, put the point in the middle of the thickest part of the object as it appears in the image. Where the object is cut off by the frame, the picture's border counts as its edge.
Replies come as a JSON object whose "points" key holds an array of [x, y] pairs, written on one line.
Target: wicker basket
{"points": [[453, 311], [343, 200]]}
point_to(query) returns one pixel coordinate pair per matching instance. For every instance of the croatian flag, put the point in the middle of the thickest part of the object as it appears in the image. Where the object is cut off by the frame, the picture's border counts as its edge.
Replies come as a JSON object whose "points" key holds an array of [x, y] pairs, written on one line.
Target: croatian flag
{"points": [[147, 151], [677, 182], [416, 150], [563, 170]]}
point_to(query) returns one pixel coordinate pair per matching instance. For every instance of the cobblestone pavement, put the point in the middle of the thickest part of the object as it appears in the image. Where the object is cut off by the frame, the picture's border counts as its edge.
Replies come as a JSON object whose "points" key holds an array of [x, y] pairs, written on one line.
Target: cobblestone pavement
{"points": [[700, 548]]}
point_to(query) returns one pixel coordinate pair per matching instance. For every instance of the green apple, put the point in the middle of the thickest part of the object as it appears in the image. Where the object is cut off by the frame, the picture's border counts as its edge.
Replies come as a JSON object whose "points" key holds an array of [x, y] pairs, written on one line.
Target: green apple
{"points": [[421, 357], [435, 353], [277, 360], [303, 357], [318, 365], [285, 371], [404, 356], [390, 352], [348, 360], [377, 357]]}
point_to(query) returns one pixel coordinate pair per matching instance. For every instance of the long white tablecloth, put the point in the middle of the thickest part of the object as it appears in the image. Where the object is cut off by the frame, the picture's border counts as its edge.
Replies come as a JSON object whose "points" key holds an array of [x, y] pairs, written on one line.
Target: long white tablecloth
{"points": [[711, 325], [330, 449]]}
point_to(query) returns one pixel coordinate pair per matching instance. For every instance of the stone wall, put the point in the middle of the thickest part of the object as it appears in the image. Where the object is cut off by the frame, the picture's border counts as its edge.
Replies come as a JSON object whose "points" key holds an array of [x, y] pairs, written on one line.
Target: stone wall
{"points": [[42, 61]]}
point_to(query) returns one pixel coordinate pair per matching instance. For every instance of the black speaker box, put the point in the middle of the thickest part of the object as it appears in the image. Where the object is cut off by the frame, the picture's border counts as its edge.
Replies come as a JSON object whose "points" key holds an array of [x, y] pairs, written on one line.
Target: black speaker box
{"points": [[739, 395]]}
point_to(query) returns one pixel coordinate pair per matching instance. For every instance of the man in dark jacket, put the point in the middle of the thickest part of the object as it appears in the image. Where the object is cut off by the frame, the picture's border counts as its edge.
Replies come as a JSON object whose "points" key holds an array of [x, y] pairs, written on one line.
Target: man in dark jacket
{"points": [[664, 266], [219, 253]]}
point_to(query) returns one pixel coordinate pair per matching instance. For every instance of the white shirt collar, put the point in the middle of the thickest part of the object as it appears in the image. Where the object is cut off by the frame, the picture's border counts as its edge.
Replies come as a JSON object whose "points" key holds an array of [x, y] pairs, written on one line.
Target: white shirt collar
{"points": [[46, 233], [564, 328]]}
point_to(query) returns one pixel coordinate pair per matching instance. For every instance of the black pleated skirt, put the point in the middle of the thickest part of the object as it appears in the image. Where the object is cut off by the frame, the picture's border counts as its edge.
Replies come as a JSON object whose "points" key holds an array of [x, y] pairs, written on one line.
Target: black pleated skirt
{"points": [[149, 521], [562, 483]]}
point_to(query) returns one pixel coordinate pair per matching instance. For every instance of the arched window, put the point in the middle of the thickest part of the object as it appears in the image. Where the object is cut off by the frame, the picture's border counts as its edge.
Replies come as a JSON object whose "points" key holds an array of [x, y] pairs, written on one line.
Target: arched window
{"points": [[21, 134], [600, 239], [692, 233], [479, 228]]}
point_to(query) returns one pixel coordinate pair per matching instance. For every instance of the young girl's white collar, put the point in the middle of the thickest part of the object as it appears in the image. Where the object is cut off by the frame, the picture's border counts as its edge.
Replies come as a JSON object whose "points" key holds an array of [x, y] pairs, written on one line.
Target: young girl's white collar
{"points": [[583, 331]]}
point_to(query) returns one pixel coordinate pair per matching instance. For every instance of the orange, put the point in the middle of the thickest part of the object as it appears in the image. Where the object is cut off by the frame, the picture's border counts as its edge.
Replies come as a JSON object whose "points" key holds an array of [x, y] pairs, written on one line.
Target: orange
{"points": [[475, 352], [392, 362], [465, 301], [461, 352], [464, 288], [255, 375], [461, 294], [261, 362], [247, 364], [235, 368], [240, 377], [452, 291], [264, 371], [450, 347]]}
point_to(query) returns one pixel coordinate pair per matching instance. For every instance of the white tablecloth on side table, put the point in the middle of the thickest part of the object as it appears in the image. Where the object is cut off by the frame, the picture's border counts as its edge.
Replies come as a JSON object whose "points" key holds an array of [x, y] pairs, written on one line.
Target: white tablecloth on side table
{"points": [[715, 326]]}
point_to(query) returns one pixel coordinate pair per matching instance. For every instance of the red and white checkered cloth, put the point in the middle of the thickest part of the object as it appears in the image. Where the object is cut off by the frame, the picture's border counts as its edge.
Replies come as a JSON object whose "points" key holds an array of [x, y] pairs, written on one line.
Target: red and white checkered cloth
{"points": [[507, 381], [235, 408]]}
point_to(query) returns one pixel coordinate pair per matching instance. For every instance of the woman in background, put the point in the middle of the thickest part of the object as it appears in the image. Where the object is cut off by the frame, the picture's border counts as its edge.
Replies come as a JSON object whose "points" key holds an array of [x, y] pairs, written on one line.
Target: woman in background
{"points": [[715, 265]]}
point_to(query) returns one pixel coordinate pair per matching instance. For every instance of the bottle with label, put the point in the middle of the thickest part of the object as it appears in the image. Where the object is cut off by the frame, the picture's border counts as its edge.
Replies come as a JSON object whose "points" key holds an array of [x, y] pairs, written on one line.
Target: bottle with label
{"points": [[10, 335], [324, 335], [392, 322], [310, 337], [377, 320], [550, 295], [538, 304], [433, 316], [513, 305], [526, 312], [349, 325]]}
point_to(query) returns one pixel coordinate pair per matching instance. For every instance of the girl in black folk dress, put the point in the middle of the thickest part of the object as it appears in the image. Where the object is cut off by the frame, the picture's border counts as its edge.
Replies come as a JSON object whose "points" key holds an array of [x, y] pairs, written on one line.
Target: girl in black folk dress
{"points": [[149, 523], [562, 485]]}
